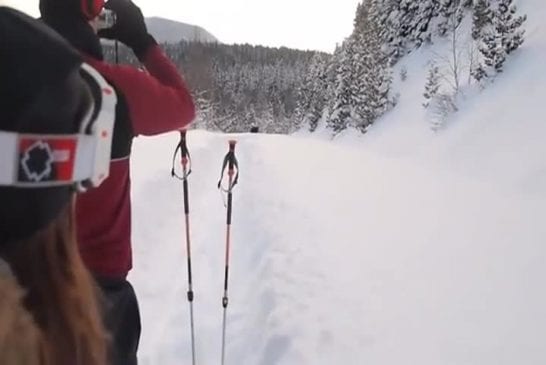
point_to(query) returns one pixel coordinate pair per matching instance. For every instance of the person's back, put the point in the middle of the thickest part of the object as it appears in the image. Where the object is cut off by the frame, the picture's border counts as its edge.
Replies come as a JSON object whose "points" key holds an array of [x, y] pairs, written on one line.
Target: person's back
{"points": [[150, 102], [55, 121]]}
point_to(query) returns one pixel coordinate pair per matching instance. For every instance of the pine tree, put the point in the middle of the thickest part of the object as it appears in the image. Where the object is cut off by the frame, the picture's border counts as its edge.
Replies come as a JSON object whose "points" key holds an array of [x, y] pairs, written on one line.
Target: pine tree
{"points": [[267, 118], [348, 75], [342, 94], [479, 73], [375, 89], [451, 14], [362, 80], [432, 85], [504, 37], [312, 93], [427, 11], [360, 17], [320, 89], [304, 97], [481, 18], [407, 13], [494, 55], [331, 76], [391, 16], [367, 46], [362, 62], [509, 26], [248, 119], [205, 118]]}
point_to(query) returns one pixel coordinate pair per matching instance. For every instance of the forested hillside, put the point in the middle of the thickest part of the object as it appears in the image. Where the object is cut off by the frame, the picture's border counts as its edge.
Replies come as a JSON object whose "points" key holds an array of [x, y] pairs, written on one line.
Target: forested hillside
{"points": [[238, 86], [280, 90]]}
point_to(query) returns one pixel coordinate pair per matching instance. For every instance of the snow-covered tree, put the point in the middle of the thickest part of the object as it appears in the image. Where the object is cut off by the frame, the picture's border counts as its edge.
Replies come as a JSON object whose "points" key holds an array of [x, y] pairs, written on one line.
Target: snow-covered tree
{"points": [[422, 29], [403, 74], [362, 75], [406, 24], [504, 36], [312, 95], [343, 92], [479, 73], [407, 15], [390, 17], [509, 25], [441, 107], [248, 119], [267, 118], [304, 98], [432, 85], [481, 17], [376, 70], [451, 14]]}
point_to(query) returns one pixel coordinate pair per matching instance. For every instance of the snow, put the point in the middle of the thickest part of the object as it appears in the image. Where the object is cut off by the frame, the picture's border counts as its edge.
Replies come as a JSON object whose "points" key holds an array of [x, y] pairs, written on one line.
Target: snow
{"points": [[401, 246]]}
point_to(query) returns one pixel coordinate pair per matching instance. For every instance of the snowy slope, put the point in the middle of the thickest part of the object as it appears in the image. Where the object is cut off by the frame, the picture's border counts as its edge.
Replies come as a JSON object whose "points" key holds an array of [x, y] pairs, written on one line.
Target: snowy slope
{"points": [[402, 246], [497, 129]]}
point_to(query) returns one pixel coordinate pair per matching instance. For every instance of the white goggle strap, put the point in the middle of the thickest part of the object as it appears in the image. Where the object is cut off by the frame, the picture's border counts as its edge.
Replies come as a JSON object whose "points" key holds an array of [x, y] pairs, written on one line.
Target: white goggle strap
{"points": [[102, 129], [30, 160]]}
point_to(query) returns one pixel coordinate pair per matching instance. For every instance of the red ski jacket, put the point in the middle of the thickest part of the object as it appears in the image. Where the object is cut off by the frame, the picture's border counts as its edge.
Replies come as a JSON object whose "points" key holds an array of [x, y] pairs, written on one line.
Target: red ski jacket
{"points": [[149, 102]]}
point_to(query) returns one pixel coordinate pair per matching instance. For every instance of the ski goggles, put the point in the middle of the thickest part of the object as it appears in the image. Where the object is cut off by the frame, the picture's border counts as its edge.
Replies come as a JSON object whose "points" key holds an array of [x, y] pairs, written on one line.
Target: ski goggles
{"points": [[82, 159]]}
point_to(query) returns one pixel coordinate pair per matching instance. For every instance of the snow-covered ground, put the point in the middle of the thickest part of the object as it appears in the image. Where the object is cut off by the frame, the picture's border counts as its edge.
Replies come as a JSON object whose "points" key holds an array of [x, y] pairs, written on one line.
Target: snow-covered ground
{"points": [[340, 255], [402, 246]]}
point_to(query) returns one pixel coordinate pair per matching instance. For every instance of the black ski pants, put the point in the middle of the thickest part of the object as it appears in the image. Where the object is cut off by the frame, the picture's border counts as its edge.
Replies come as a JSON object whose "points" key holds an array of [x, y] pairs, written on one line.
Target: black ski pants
{"points": [[122, 320]]}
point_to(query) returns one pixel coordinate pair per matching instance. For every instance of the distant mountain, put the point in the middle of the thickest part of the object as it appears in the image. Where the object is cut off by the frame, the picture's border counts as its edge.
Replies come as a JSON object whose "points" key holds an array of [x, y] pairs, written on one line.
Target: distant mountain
{"points": [[170, 31]]}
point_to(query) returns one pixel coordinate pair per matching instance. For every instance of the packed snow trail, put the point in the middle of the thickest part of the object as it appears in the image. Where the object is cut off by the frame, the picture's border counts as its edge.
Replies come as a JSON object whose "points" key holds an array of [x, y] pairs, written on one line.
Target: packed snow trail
{"points": [[339, 256]]}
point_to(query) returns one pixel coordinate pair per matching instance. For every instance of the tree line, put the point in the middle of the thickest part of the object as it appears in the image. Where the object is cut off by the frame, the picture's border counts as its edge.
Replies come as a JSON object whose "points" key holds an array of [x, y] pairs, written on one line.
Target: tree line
{"points": [[280, 90], [237, 87], [352, 88]]}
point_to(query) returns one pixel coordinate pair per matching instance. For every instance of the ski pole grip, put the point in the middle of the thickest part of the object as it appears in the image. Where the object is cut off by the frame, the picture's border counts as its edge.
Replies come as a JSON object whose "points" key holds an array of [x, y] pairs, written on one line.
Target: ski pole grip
{"points": [[231, 155], [184, 146], [232, 144]]}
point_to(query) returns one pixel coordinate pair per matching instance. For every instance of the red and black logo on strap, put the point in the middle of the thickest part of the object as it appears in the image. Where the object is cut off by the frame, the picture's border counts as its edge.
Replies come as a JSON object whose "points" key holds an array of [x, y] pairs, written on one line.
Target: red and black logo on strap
{"points": [[46, 160]]}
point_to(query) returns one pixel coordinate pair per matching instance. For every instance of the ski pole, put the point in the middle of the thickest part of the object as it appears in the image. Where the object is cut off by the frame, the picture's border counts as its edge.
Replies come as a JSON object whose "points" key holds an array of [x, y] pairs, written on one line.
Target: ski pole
{"points": [[230, 161], [186, 171]]}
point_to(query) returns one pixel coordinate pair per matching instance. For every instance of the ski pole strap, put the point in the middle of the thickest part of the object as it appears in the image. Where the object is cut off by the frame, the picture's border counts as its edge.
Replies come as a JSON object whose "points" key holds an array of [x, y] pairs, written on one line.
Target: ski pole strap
{"points": [[185, 158], [231, 162]]}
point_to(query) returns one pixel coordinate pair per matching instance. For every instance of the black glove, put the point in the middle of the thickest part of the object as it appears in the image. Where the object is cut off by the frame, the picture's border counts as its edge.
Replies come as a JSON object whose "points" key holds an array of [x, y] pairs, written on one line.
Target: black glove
{"points": [[129, 27]]}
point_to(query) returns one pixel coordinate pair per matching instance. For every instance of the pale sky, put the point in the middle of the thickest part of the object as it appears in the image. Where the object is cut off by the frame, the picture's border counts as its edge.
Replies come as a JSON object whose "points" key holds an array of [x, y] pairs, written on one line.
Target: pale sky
{"points": [[303, 24]]}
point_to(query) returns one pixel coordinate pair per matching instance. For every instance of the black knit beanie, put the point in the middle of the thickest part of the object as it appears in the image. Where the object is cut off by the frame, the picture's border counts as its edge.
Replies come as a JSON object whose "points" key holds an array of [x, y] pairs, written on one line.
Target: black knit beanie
{"points": [[41, 92]]}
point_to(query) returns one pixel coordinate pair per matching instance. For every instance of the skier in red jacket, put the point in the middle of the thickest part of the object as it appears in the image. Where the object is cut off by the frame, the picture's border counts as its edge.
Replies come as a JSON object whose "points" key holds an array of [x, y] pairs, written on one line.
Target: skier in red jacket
{"points": [[149, 103]]}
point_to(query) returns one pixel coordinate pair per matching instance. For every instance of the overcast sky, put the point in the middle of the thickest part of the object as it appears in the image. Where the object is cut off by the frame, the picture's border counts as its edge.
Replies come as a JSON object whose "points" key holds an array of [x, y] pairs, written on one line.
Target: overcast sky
{"points": [[304, 24]]}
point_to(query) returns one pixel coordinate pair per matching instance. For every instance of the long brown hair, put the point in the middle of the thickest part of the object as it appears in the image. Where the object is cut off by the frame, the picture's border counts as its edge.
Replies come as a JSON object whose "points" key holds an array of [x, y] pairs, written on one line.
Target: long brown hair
{"points": [[19, 336], [60, 294]]}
